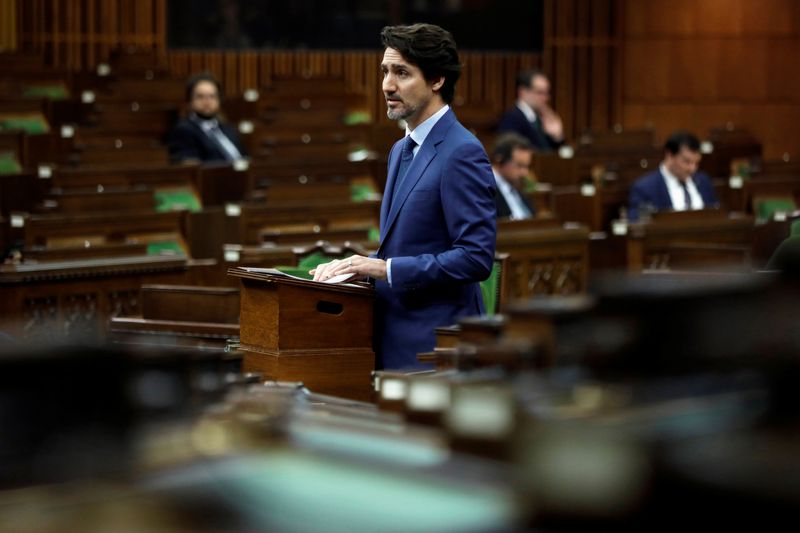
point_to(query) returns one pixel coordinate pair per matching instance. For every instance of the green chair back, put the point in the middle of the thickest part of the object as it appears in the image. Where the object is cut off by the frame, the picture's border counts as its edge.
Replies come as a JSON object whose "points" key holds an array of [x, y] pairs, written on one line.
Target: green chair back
{"points": [[176, 199], [491, 287], [9, 164], [305, 264], [767, 208]]}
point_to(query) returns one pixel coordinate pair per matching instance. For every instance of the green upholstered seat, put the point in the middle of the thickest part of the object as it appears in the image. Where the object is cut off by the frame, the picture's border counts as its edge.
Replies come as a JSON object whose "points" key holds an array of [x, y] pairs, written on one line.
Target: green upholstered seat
{"points": [[357, 117], [766, 209], [29, 123], [165, 248], [177, 199], [361, 192], [53, 92], [490, 288], [9, 164], [305, 264]]}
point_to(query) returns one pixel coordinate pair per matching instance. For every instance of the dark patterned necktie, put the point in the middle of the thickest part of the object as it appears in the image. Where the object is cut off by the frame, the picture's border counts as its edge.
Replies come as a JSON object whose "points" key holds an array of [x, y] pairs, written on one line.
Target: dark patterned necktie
{"points": [[686, 197], [406, 157]]}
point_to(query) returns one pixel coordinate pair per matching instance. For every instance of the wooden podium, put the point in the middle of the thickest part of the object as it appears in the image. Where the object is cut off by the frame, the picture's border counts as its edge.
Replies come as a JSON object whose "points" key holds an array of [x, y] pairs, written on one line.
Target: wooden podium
{"points": [[299, 330]]}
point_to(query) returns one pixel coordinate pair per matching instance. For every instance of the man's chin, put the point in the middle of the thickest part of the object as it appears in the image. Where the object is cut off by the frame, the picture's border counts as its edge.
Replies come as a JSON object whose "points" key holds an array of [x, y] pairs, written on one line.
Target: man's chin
{"points": [[400, 112], [396, 115]]}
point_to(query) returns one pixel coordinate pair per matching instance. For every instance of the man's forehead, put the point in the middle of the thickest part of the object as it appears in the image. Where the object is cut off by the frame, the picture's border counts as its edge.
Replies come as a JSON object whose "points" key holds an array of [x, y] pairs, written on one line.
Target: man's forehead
{"points": [[685, 151], [540, 80], [205, 86], [392, 57]]}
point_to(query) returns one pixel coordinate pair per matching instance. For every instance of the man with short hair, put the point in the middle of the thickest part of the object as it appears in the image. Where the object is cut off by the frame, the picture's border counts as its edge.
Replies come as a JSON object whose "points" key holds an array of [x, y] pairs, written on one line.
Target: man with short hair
{"points": [[438, 214], [202, 136], [532, 117], [676, 185], [511, 162]]}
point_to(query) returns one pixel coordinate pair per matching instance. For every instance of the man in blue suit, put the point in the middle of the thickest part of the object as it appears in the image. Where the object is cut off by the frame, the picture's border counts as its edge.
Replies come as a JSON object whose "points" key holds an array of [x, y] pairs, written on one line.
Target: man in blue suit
{"points": [[532, 117], [438, 212], [676, 185]]}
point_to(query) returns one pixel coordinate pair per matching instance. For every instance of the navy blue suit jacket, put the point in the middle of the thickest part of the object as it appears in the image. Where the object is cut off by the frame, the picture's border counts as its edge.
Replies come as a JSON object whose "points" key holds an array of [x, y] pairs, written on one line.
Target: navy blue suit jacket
{"points": [[504, 210], [188, 141], [650, 190], [439, 231], [515, 120]]}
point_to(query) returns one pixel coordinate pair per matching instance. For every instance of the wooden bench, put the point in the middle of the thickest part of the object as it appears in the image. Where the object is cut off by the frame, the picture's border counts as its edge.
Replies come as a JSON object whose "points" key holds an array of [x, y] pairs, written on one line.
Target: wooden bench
{"points": [[254, 218], [544, 258], [189, 317], [97, 228], [699, 240], [74, 299], [100, 200]]}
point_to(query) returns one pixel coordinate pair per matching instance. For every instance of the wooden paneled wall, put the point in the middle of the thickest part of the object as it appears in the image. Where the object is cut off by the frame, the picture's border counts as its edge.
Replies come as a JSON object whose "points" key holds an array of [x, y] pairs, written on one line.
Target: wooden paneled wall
{"points": [[8, 25], [698, 64], [79, 34], [581, 47]]}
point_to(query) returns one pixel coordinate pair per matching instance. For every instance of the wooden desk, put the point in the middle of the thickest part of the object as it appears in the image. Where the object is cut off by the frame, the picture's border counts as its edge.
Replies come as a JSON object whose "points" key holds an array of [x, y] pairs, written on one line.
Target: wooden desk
{"points": [[203, 318], [75, 299], [691, 240], [298, 330], [545, 260]]}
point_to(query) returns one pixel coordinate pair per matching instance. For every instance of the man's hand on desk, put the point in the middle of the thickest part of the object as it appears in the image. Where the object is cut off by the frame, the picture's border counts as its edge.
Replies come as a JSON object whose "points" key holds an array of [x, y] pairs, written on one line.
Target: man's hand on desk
{"points": [[357, 264]]}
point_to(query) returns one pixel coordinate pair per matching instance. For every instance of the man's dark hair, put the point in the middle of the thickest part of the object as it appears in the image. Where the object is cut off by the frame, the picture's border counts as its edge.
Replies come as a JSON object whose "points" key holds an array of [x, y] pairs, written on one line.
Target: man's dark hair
{"points": [[505, 145], [679, 139], [197, 78], [430, 48], [525, 77]]}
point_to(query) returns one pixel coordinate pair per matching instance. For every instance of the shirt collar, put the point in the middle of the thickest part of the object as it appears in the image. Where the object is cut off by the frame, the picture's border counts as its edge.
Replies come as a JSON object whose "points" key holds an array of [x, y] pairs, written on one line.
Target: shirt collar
{"points": [[421, 131], [206, 124], [670, 177], [527, 110], [501, 181]]}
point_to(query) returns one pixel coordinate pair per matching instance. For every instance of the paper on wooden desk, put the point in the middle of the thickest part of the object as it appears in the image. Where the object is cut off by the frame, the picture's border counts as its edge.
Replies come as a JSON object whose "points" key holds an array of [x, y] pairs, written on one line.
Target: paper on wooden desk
{"points": [[341, 278]]}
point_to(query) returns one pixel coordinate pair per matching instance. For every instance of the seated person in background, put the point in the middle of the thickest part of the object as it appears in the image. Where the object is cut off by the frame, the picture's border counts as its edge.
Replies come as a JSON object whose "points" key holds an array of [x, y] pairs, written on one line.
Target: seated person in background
{"points": [[511, 161], [532, 117], [201, 136], [676, 185]]}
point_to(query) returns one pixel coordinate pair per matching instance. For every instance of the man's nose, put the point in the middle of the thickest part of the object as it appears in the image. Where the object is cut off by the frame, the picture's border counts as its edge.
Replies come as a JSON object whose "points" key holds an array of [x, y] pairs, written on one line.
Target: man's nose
{"points": [[388, 84]]}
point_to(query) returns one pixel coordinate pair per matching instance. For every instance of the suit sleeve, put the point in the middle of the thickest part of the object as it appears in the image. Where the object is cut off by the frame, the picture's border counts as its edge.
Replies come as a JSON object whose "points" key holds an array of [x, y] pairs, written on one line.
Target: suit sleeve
{"points": [[467, 191], [636, 199], [707, 190], [183, 145]]}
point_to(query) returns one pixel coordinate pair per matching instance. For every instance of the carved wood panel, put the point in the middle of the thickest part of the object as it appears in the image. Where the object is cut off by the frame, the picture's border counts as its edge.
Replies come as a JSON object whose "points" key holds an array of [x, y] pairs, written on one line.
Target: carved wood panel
{"points": [[40, 318]]}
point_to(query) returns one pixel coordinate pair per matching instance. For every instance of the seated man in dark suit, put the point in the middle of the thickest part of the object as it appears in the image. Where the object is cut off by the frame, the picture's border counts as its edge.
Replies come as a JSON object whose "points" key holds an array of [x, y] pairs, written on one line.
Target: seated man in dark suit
{"points": [[532, 117], [676, 185], [201, 136], [511, 162]]}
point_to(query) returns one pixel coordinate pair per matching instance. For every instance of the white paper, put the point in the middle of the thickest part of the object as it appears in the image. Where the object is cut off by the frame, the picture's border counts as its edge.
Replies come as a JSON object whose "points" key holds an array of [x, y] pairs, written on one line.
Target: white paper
{"points": [[341, 278]]}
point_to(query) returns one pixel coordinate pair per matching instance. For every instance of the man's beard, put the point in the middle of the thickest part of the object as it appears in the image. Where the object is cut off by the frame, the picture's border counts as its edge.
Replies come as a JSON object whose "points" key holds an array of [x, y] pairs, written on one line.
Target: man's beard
{"points": [[400, 114], [203, 116]]}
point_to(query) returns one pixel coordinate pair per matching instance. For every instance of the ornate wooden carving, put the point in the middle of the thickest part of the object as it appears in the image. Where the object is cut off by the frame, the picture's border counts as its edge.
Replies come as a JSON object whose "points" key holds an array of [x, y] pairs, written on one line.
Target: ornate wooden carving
{"points": [[123, 303], [81, 318], [40, 318]]}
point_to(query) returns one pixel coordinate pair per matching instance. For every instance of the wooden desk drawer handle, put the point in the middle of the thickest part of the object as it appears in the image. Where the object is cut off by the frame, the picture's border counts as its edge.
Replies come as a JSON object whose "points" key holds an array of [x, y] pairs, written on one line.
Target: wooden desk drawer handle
{"points": [[331, 308]]}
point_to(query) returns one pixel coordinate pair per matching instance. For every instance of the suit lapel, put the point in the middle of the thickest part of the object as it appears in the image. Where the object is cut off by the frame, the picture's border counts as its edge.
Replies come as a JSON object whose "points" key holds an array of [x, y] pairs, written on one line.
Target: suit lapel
{"points": [[210, 146], [391, 176], [663, 192], [421, 161]]}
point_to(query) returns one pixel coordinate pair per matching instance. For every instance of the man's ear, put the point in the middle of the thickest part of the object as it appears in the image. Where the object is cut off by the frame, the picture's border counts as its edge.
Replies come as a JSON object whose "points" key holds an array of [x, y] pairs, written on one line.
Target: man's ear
{"points": [[437, 83]]}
